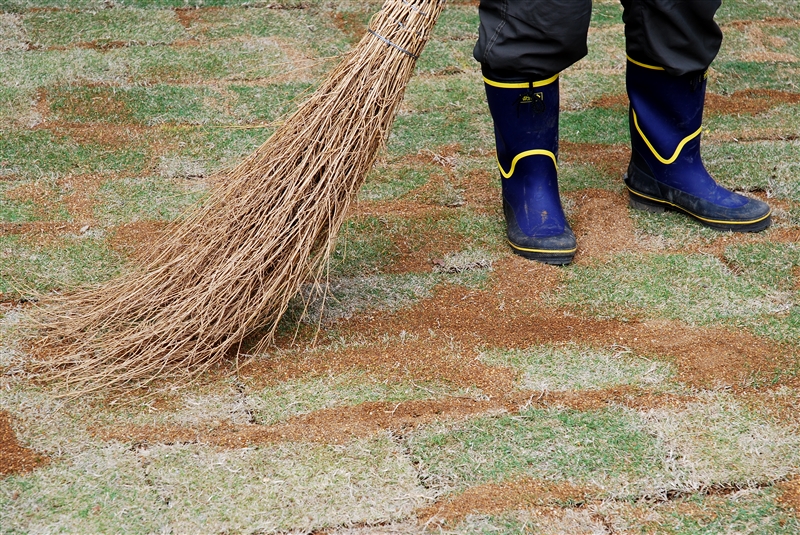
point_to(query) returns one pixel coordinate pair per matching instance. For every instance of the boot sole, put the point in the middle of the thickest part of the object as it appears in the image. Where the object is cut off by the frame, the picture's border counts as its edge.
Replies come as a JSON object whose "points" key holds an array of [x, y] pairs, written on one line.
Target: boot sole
{"points": [[552, 257], [650, 204]]}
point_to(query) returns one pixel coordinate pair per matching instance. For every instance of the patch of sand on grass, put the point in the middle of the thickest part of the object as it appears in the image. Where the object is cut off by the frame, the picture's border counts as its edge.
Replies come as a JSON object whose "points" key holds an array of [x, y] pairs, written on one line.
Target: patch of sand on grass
{"points": [[511, 315], [107, 102], [331, 426], [81, 200], [749, 101], [790, 497], [113, 136], [14, 459], [339, 425], [138, 238], [40, 233], [750, 135], [494, 498], [723, 240], [188, 16], [481, 191], [777, 22], [602, 225], [609, 159], [350, 23], [424, 360], [42, 197]]}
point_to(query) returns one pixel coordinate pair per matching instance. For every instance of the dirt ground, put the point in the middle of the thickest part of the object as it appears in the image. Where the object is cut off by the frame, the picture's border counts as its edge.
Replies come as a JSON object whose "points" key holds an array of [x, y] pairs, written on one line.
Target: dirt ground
{"points": [[14, 458]]}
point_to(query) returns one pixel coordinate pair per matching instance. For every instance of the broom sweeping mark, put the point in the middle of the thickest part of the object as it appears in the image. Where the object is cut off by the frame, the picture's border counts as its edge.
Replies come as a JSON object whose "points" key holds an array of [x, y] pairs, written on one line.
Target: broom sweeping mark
{"points": [[227, 271]]}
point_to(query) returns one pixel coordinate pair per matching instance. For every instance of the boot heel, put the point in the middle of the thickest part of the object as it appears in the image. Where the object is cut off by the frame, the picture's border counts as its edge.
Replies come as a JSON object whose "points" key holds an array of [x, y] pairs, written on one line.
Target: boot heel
{"points": [[643, 204]]}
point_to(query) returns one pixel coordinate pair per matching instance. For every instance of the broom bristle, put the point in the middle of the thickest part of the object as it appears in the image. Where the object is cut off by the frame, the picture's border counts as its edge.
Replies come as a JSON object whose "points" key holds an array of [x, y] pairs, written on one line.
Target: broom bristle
{"points": [[232, 266]]}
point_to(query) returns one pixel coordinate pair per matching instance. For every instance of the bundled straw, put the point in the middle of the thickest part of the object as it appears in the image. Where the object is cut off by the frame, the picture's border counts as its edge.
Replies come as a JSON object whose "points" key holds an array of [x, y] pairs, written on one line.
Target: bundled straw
{"points": [[230, 268]]}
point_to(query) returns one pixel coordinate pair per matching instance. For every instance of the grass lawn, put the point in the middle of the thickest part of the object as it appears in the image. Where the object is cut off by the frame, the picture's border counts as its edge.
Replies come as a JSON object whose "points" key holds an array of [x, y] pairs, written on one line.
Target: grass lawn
{"points": [[447, 386]]}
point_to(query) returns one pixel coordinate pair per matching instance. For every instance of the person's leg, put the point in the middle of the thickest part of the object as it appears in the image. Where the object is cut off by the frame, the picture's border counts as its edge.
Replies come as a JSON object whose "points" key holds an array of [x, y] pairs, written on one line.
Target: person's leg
{"points": [[670, 44], [522, 47], [532, 39]]}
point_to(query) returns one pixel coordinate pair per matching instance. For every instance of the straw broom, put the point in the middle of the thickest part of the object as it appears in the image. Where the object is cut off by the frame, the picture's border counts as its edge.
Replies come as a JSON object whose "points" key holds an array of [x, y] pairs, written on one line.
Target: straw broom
{"points": [[230, 268]]}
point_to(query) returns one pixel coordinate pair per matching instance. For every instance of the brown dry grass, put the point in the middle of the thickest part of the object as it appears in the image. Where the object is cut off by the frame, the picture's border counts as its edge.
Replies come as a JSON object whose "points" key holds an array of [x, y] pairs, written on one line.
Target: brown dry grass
{"points": [[748, 101], [494, 498], [230, 268]]}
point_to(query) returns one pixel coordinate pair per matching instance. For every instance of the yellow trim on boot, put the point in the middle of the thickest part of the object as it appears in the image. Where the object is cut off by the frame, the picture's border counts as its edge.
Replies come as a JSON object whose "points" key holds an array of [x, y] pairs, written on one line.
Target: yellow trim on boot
{"points": [[521, 155], [645, 65], [520, 85], [545, 251], [678, 150]]}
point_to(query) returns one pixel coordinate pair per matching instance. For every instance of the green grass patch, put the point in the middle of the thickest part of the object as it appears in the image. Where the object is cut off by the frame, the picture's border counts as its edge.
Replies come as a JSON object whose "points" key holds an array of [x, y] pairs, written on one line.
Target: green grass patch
{"points": [[457, 23], [732, 10], [629, 455], [696, 289], [414, 132], [735, 75], [145, 199], [783, 328], [15, 105], [174, 104], [387, 182], [363, 246], [268, 103], [34, 69], [38, 153], [669, 230], [67, 263], [304, 28], [149, 105], [348, 296], [570, 367], [749, 511], [781, 121], [204, 62], [598, 447], [606, 14], [217, 147], [61, 28], [446, 93], [595, 125], [14, 210], [442, 57], [478, 231], [769, 265], [574, 177], [773, 166]]}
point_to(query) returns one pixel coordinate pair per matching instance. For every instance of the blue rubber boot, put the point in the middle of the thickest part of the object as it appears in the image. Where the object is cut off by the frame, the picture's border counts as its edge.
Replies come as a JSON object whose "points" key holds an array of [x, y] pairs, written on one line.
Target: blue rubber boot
{"points": [[666, 171], [525, 118]]}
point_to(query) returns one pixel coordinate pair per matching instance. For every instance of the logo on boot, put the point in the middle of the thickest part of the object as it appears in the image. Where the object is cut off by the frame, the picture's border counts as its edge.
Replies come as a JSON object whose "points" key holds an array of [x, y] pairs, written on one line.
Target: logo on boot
{"points": [[534, 100]]}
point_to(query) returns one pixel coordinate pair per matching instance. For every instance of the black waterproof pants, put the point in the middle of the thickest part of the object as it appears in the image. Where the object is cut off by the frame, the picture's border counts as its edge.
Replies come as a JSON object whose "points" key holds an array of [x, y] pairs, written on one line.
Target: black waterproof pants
{"points": [[536, 39]]}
